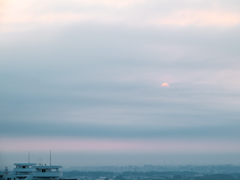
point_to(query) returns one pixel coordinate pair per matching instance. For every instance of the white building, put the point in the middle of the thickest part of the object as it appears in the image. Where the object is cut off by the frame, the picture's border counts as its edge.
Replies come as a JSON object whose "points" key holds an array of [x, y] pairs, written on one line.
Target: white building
{"points": [[47, 173], [21, 171], [29, 171]]}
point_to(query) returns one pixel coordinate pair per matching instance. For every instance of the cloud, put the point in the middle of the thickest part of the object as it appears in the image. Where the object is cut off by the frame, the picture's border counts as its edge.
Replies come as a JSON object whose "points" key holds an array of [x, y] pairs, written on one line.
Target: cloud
{"points": [[198, 18], [130, 146], [30, 15], [122, 124]]}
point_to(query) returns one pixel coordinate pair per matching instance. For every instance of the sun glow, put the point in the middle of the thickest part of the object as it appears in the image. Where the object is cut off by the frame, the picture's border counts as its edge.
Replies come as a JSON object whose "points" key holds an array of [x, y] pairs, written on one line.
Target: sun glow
{"points": [[165, 85]]}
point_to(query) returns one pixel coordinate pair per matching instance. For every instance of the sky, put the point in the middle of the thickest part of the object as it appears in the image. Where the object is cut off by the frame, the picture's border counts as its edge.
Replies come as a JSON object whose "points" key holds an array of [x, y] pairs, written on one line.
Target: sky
{"points": [[83, 78]]}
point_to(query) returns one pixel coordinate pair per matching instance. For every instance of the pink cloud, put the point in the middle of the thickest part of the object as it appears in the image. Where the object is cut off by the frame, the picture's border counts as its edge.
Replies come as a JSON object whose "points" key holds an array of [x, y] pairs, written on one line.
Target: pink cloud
{"points": [[32, 14], [103, 145]]}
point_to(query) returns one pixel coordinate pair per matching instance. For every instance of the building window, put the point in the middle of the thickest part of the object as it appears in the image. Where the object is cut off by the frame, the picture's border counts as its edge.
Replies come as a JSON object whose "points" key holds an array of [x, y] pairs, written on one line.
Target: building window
{"points": [[43, 170], [23, 167]]}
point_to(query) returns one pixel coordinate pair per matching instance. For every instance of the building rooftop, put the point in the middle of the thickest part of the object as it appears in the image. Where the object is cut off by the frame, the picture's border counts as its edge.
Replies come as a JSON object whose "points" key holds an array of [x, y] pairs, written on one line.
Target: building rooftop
{"points": [[25, 164]]}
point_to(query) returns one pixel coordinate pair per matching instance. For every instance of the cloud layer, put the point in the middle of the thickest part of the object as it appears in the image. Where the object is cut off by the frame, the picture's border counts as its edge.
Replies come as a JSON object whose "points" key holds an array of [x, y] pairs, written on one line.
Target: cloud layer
{"points": [[90, 72]]}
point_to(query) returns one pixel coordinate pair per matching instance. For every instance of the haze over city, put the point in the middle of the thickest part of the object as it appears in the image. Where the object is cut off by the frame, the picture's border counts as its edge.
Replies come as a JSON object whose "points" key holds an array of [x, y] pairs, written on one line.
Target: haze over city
{"points": [[130, 82]]}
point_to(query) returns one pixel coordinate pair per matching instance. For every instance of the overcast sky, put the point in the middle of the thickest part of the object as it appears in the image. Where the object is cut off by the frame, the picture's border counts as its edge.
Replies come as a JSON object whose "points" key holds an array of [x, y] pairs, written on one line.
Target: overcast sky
{"points": [[83, 78]]}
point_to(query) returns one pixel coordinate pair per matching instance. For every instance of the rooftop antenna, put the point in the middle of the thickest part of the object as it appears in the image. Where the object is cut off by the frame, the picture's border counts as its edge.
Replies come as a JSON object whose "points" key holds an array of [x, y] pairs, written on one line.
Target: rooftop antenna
{"points": [[28, 157], [50, 158]]}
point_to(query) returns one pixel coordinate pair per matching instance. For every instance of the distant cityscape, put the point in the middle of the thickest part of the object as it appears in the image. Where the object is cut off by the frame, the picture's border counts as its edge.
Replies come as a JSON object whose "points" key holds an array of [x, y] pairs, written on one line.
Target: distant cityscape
{"points": [[154, 172], [202, 169], [31, 171]]}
